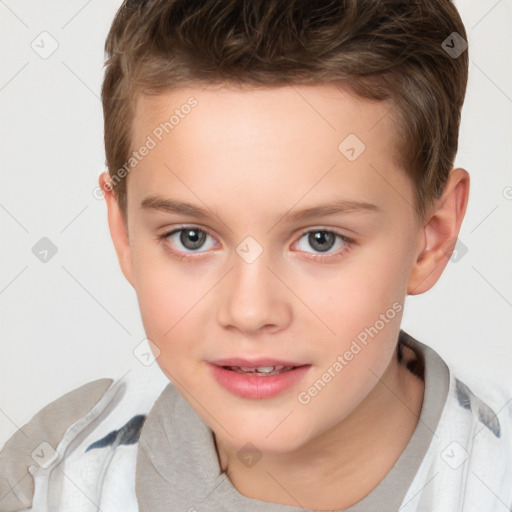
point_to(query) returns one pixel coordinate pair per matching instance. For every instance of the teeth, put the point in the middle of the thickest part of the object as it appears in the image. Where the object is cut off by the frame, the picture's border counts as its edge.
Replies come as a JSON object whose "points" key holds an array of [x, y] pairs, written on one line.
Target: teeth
{"points": [[266, 369], [260, 370]]}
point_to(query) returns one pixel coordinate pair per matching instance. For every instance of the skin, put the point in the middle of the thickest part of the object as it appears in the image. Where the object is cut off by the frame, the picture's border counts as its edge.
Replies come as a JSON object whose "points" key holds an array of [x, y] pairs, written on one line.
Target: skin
{"points": [[250, 157]]}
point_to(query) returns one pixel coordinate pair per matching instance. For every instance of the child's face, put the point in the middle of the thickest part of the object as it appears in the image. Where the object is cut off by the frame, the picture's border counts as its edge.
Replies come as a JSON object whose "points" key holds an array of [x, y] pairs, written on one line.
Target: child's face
{"points": [[251, 284]]}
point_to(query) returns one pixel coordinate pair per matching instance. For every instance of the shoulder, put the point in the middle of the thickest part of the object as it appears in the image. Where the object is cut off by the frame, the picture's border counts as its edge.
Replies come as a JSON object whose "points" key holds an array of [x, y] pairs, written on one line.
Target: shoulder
{"points": [[488, 403], [482, 402], [34, 442], [482, 407], [482, 445], [87, 416], [469, 459], [474, 444]]}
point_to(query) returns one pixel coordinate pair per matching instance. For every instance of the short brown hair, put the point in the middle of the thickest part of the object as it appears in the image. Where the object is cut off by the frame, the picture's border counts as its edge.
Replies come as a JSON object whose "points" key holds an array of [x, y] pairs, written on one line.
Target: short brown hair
{"points": [[380, 49]]}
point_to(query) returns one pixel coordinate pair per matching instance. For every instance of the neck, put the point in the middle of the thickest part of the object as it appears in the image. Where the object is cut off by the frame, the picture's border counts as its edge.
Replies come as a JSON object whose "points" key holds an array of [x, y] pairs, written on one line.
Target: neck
{"points": [[340, 467]]}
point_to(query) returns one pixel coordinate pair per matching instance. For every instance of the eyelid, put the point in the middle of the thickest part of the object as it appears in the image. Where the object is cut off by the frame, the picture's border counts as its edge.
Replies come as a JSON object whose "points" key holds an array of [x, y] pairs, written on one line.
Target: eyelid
{"points": [[330, 229], [182, 227]]}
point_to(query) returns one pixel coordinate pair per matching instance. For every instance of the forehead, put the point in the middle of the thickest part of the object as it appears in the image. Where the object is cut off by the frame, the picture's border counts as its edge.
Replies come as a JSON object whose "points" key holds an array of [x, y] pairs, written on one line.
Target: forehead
{"points": [[325, 107], [219, 135]]}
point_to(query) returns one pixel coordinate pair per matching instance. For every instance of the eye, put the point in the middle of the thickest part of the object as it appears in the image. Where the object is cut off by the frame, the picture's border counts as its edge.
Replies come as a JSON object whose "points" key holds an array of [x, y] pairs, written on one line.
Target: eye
{"points": [[323, 240], [188, 238]]}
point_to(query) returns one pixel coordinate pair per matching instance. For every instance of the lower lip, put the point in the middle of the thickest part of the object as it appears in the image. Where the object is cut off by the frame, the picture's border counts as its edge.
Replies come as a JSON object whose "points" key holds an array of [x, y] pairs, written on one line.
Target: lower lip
{"points": [[252, 386]]}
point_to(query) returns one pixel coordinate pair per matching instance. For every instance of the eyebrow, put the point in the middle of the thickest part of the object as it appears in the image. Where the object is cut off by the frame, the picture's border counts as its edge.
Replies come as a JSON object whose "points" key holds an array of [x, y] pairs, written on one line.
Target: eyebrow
{"points": [[155, 202]]}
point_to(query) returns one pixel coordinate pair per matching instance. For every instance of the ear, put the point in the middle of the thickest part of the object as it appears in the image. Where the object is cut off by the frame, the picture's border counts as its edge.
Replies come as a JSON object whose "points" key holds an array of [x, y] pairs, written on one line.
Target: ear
{"points": [[118, 227], [440, 233]]}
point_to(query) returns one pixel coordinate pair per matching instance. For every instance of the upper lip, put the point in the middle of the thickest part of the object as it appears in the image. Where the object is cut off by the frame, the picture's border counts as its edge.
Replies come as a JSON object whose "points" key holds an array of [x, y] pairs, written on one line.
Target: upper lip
{"points": [[253, 363]]}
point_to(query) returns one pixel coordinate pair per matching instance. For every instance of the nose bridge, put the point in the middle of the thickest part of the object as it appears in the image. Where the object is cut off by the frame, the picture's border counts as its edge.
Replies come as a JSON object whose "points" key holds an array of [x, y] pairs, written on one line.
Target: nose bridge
{"points": [[252, 297]]}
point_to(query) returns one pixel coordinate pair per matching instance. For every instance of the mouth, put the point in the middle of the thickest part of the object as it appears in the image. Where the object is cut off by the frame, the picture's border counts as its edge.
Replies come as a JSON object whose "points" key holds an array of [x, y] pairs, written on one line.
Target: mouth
{"points": [[258, 378], [261, 366]]}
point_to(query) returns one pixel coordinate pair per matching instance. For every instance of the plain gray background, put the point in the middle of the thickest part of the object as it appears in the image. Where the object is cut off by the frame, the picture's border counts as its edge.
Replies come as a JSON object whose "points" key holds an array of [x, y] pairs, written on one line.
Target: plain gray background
{"points": [[74, 318]]}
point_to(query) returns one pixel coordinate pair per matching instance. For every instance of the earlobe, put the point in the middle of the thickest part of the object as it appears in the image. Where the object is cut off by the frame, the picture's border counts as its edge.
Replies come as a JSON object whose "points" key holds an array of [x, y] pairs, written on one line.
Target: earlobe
{"points": [[118, 227], [440, 233]]}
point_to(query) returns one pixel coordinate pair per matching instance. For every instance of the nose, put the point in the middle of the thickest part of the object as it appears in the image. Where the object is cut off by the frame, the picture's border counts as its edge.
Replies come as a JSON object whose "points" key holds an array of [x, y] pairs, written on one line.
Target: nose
{"points": [[254, 298]]}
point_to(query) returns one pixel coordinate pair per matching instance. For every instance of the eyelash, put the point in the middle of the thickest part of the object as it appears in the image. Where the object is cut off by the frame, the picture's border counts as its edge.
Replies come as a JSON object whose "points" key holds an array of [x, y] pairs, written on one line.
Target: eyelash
{"points": [[349, 242]]}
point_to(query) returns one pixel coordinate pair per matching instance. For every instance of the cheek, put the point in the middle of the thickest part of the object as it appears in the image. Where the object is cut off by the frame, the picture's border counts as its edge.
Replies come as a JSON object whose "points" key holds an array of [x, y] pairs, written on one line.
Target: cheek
{"points": [[356, 295], [166, 295], [363, 309], [360, 308]]}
